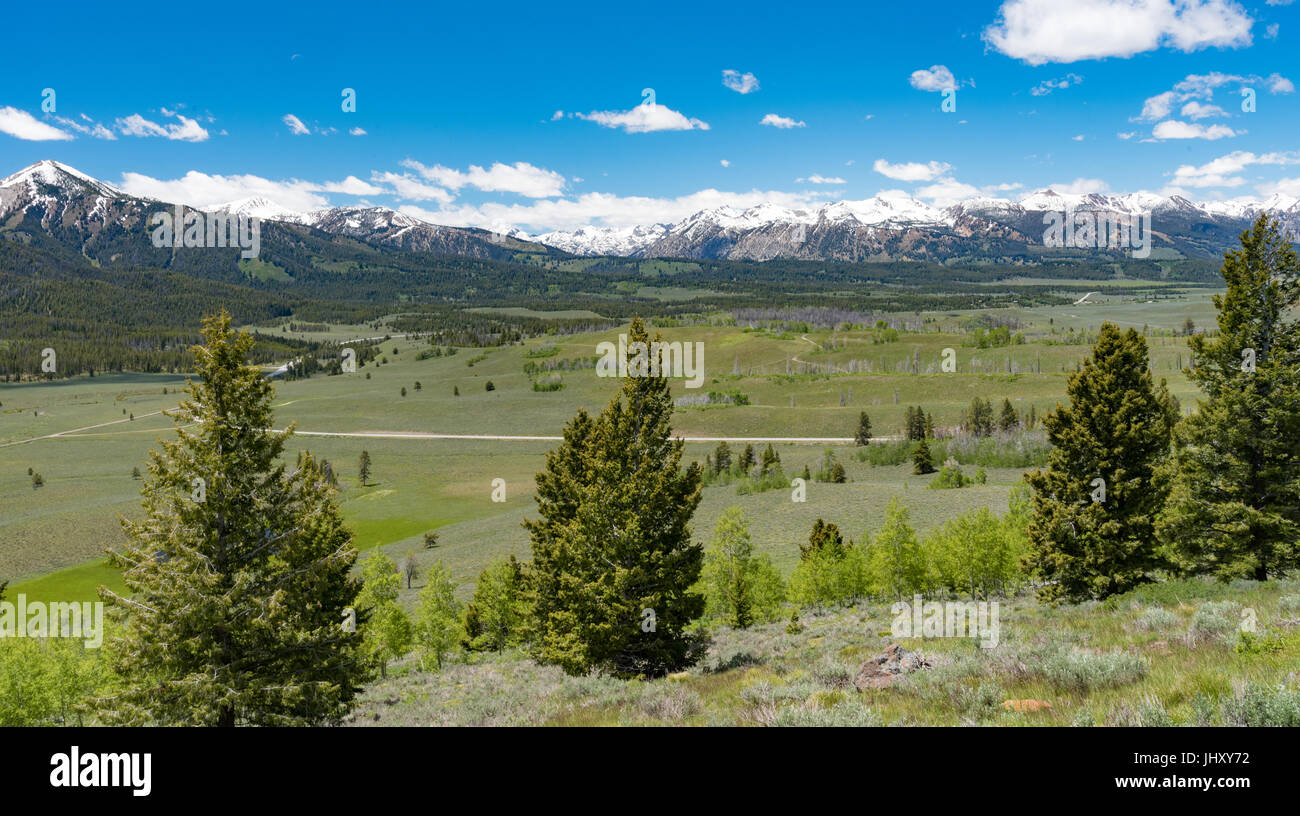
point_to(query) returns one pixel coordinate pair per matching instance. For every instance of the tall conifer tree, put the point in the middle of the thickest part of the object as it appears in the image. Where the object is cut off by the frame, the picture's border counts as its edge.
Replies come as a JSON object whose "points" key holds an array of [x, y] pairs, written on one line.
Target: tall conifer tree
{"points": [[613, 561], [1235, 506], [238, 573], [1092, 533]]}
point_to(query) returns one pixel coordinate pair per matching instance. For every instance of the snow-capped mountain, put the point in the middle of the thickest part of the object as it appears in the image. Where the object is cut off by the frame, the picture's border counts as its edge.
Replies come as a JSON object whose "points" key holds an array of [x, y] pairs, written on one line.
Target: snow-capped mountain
{"points": [[52, 201]]}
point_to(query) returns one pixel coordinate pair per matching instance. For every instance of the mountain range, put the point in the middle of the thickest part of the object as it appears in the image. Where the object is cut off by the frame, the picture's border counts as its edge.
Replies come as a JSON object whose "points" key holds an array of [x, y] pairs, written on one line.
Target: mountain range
{"points": [[52, 202]]}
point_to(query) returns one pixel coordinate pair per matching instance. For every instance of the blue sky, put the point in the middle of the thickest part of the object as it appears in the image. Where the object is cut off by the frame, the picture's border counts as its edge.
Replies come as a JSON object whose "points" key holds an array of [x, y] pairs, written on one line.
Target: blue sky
{"points": [[547, 103]]}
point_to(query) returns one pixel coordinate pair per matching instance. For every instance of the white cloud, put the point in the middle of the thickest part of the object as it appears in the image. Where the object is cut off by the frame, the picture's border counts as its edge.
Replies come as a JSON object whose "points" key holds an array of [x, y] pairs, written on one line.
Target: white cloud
{"points": [[819, 179], [1126, 136], [1080, 186], [521, 178], [22, 125], [1048, 85], [937, 78], [94, 128], [356, 131], [644, 119], [203, 190], [558, 115], [1042, 31], [1078, 138], [296, 127], [1197, 110], [1222, 172], [1286, 186], [725, 163], [409, 187], [782, 122], [1174, 129], [946, 191], [1271, 31], [184, 130], [911, 171], [738, 82], [1201, 87]]}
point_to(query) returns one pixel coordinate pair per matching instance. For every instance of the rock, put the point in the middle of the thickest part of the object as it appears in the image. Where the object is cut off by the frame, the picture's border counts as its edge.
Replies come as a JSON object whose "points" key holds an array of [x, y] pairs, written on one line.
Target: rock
{"points": [[1025, 705], [880, 671]]}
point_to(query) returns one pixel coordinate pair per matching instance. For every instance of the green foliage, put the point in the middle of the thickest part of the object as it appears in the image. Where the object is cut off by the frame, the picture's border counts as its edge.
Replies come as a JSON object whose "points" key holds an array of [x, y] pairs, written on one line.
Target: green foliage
{"points": [[1116, 429], [863, 434], [830, 571], [950, 476], [386, 630], [500, 611], [897, 561], [437, 618], [977, 554], [740, 587], [236, 596], [978, 419], [922, 462], [47, 681], [1234, 509], [612, 547], [363, 467]]}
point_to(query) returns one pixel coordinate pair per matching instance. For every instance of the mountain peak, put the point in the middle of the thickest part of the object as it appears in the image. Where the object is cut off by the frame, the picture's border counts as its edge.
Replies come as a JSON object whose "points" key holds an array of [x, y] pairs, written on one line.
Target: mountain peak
{"points": [[50, 173]]}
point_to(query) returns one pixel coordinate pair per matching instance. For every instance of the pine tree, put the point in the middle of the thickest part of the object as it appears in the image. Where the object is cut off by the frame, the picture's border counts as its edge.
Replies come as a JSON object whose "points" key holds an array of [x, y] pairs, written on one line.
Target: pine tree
{"points": [[1234, 509], [922, 461], [1092, 533], [771, 460], [238, 592], [863, 436], [613, 563], [747, 460], [1009, 420], [825, 537], [722, 458], [363, 467], [979, 417]]}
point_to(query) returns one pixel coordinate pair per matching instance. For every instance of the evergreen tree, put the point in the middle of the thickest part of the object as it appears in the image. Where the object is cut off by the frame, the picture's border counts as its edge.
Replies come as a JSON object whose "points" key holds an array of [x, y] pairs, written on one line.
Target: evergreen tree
{"points": [[922, 461], [929, 426], [1009, 420], [914, 422], [825, 537], [1234, 509], [239, 572], [771, 460], [363, 467], [722, 458], [613, 563], [863, 436], [747, 460], [979, 417], [1090, 538]]}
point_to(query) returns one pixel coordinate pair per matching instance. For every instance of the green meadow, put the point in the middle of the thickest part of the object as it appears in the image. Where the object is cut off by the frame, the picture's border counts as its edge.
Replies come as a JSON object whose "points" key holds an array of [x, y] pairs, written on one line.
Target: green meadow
{"points": [[85, 436]]}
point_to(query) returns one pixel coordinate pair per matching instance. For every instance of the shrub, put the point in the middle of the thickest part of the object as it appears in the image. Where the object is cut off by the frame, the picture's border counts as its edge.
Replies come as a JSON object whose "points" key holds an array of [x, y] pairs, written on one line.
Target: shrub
{"points": [[1289, 605], [1260, 706], [1082, 672], [950, 476], [841, 715], [1214, 621], [1156, 619]]}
